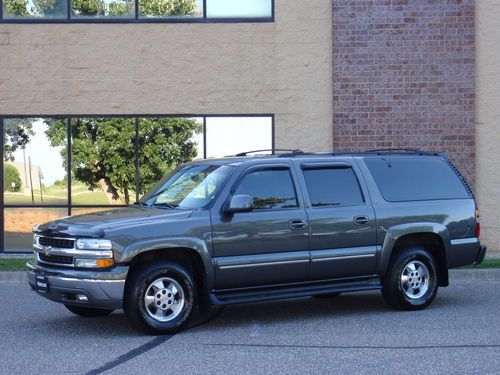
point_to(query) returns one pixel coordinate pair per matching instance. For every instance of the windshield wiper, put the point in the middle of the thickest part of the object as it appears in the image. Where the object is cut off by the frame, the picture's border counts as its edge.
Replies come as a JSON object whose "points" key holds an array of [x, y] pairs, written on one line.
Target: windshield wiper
{"points": [[164, 204], [140, 204]]}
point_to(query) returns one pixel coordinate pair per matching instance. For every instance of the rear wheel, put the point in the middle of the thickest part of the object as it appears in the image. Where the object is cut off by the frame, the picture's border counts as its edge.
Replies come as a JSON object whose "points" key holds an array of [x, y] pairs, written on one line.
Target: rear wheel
{"points": [[411, 280], [88, 312], [160, 298]]}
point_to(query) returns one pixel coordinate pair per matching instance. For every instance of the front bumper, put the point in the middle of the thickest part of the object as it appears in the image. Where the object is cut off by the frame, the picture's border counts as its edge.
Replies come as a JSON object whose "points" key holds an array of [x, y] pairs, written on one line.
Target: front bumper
{"points": [[99, 289]]}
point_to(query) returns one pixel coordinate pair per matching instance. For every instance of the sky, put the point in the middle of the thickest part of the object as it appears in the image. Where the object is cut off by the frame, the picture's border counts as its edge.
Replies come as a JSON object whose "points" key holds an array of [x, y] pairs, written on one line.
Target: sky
{"points": [[225, 136]]}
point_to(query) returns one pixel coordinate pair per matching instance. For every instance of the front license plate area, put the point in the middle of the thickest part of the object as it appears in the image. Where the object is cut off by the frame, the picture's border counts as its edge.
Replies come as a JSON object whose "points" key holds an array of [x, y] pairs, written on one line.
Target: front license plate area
{"points": [[42, 284]]}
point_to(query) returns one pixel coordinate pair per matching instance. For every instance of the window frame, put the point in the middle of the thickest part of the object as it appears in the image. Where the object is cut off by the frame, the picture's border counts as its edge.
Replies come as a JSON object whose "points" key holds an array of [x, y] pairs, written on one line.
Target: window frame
{"points": [[69, 206], [331, 165], [259, 167], [136, 18]]}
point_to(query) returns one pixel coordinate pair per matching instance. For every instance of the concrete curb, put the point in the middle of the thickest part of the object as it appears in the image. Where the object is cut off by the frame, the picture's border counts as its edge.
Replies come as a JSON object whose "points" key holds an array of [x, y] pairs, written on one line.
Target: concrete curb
{"points": [[462, 276]]}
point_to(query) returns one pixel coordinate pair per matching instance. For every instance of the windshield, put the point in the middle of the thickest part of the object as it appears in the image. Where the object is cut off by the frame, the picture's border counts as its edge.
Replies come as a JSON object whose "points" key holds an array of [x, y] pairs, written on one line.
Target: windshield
{"points": [[193, 186]]}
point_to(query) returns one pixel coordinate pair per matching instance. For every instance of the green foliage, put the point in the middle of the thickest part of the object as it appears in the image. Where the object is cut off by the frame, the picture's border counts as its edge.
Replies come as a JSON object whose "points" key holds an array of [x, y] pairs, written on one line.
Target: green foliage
{"points": [[104, 149], [11, 175], [17, 135], [16, 7], [168, 7], [164, 143], [24, 8], [35, 7]]}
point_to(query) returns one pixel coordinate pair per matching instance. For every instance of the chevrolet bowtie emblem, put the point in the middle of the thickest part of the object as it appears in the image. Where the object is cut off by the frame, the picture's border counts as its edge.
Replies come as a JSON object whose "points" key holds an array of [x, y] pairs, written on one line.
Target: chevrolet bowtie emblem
{"points": [[47, 250]]}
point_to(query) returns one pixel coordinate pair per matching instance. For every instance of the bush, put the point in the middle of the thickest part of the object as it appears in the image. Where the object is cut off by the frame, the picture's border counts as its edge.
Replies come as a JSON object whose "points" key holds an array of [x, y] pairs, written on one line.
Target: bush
{"points": [[10, 175]]}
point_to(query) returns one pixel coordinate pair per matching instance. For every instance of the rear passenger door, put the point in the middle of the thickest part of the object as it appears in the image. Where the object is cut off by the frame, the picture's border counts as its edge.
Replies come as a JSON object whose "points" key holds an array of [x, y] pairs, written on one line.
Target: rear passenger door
{"points": [[341, 220]]}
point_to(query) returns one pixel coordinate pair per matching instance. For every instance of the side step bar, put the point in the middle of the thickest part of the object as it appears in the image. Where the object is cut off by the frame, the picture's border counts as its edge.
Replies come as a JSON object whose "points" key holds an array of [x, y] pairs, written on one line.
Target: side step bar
{"points": [[235, 297]]}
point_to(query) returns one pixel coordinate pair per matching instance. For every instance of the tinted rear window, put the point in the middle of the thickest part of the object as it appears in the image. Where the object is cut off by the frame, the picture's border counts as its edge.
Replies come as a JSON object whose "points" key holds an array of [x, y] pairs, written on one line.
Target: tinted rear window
{"points": [[332, 187], [415, 178]]}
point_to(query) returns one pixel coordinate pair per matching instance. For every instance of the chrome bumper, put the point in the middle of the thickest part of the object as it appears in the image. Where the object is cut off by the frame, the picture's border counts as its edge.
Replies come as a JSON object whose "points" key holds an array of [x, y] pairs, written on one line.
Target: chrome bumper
{"points": [[100, 289]]}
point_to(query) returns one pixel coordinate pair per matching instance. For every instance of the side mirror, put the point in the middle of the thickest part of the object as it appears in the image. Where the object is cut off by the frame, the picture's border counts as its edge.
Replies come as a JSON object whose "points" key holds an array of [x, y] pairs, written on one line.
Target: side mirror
{"points": [[240, 203]]}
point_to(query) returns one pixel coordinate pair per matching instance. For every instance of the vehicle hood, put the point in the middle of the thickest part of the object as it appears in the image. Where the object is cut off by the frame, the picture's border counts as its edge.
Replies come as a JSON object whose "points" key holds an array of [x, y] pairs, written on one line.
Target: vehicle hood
{"points": [[98, 223]]}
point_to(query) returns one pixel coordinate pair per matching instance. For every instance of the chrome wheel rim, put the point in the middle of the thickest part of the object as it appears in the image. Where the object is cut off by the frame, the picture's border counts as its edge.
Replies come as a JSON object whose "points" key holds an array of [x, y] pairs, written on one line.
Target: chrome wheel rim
{"points": [[415, 279], [164, 299]]}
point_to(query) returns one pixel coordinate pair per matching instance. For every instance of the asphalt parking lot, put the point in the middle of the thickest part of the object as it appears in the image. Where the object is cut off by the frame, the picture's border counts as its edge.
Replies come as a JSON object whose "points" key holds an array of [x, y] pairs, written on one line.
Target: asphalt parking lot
{"points": [[353, 333]]}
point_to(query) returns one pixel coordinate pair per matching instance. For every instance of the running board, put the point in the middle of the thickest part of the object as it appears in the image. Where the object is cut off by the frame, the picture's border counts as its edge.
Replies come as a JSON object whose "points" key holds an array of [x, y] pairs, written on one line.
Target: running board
{"points": [[235, 297]]}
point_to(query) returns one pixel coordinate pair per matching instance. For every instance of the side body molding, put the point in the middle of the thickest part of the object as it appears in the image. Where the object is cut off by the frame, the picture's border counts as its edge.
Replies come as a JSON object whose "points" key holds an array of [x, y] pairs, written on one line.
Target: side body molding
{"points": [[394, 233], [157, 244]]}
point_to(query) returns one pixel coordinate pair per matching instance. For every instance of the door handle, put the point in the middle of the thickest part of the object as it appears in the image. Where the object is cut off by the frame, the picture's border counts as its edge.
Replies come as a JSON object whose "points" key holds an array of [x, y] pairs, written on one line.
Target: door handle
{"points": [[360, 220], [297, 224]]}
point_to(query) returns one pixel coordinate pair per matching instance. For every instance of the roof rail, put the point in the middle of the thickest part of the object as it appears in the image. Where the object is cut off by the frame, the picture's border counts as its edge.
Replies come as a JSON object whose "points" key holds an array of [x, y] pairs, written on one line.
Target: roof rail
{"points": [[273, 151]]}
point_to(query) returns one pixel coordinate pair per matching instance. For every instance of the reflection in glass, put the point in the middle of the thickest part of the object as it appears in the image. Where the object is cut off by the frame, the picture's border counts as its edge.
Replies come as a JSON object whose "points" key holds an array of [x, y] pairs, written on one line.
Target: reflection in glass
{"points": [[239, 8], [34, 8], [164, 143], [103, 8], [170, 8], [103, 154], [34, 162], [19, 222], [231, 135]]}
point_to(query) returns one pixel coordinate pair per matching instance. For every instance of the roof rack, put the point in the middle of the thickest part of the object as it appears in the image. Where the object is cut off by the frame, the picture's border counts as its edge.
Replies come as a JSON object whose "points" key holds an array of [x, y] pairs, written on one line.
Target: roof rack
{"points": [[273, 151]]}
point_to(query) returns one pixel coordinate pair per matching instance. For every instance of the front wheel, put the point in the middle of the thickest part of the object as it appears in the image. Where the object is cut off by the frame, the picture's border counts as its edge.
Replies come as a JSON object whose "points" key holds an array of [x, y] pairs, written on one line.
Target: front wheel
{"points": [[160, 298], [411, 280]]}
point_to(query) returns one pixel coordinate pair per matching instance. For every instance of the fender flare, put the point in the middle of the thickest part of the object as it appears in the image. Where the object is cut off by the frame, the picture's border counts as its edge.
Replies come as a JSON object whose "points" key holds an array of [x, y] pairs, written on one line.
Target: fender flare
{"points": [[393, 234], [161, 244]]}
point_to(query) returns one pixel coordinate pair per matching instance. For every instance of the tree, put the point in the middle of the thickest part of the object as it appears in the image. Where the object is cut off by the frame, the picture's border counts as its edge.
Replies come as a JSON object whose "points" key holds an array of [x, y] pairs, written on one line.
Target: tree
{"points": [[34, 8], [17, 135], [100, 7], [11, 178], [168, 7], [104, 150]]}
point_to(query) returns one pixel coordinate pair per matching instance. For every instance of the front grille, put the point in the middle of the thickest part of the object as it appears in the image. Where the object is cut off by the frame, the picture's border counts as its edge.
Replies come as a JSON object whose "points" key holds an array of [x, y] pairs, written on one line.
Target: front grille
{"points": [[60, 243], [55, 259]]}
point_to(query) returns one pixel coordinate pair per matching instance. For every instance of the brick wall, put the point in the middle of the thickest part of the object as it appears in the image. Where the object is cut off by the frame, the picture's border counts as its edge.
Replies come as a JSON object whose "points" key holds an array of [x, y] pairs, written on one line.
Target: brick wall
{"points": [[403, 76]]}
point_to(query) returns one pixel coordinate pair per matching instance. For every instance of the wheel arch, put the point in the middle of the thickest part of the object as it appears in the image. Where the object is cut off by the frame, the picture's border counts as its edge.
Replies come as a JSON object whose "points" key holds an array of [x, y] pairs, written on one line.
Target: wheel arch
{"points": [[431, 236], [192, 254]]}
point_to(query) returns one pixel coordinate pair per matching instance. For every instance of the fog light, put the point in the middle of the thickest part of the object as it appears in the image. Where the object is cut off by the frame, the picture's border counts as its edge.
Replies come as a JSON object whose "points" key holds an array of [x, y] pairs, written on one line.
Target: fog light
{"points": [[81, 298], [94, 263]]}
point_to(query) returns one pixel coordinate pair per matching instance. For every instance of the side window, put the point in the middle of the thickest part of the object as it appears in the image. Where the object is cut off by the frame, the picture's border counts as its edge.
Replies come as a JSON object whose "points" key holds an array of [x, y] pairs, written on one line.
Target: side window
{"points": [[333, 187], [269, 188]]}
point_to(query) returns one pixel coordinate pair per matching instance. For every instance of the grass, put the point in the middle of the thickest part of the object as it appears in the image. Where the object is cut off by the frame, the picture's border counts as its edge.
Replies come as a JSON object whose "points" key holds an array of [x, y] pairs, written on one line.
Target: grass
{"points": [[487, 263], [13, 264]]}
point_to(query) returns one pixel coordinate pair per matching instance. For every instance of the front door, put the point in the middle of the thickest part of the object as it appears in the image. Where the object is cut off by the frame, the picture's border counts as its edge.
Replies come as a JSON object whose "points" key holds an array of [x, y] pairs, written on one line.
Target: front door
{"points": [[268, 245], [341, 219]]}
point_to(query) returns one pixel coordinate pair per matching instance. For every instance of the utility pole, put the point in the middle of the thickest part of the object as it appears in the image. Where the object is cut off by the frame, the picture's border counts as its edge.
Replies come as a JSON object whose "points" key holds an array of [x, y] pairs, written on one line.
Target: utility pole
{"points": [[31, 181]]}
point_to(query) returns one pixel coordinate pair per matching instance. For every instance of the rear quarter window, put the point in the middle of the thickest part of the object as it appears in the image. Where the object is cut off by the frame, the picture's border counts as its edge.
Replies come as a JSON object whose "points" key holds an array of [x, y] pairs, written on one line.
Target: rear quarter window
{"points": [[415, 178]]}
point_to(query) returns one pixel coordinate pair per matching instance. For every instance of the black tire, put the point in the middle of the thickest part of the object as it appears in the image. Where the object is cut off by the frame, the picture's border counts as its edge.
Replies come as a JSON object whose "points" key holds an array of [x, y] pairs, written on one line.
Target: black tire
{"points": [[141, 316], [326, 295], [397, 293], [88, 312]]}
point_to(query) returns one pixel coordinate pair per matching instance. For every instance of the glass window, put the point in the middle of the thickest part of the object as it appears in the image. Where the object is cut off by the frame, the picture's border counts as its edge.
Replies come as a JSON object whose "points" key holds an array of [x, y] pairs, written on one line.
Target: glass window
{"points": [[332, 187], [19, 223], [103, 161], [170, 8], [269, 188], [103, 8], [34, 9], [239, 8], [406, 178], [35, 162], [191, 187], [164, 143], [231, 135]]}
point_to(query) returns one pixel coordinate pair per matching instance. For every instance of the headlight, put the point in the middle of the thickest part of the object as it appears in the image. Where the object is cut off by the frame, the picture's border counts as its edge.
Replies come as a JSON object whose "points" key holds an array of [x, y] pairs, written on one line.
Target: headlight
{"points": [[93, 244]]}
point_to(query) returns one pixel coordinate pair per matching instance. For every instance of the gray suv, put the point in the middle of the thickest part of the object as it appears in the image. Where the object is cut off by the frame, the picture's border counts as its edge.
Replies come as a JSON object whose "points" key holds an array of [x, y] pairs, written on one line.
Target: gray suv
{"points": [[255, 228]]}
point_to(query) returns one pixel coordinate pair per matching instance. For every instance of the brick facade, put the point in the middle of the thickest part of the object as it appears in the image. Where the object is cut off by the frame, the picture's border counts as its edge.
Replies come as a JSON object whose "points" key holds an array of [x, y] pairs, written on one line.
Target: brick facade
{"points": [[403, 76]]}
